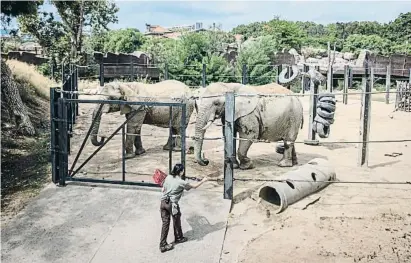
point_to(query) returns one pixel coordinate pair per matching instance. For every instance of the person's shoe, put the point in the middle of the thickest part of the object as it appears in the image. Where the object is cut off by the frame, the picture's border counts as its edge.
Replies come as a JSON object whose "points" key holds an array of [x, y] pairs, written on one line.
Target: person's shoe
{"points": [[181, 240], [166, 248]]}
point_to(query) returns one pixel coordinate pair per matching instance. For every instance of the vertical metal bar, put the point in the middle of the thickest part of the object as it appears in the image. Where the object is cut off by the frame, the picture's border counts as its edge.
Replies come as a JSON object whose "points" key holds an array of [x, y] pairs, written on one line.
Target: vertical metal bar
{"points": [[387, 84], [63, 161], [346, 77], [76, 89], [409, 75], [183, 137], [279, 69], [244, 74], [123, 152], [304, 81], [330, 78], [101, 73], [170, 140], [54, 149], [313, 112], [228, 145], [350, 79], [365, 117], [203, 82], [166, 71], [397, 94], [62, 73]]}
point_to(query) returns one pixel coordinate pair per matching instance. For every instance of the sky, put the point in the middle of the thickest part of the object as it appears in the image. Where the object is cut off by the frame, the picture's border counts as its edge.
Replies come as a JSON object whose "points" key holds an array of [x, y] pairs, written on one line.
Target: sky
{"points": [[136, 14]]}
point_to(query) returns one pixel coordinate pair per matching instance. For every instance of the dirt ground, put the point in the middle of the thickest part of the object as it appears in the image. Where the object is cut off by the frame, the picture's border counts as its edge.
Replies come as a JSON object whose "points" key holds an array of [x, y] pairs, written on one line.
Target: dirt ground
{"points": [[348, 222]]}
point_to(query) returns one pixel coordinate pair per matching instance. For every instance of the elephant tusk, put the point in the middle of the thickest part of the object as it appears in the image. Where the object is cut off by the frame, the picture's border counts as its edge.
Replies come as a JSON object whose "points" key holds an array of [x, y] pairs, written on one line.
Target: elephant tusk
{"points": [[208, 125]]}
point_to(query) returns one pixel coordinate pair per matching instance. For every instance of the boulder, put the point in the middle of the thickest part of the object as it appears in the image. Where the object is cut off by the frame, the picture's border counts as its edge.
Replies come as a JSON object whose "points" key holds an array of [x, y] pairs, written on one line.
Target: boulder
{"points": [[349, 56]]}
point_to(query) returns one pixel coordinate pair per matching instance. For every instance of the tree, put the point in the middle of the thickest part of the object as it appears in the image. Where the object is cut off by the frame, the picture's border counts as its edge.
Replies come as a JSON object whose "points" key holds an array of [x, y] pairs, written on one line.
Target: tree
{"points": [[9, 91], [259, 68], [286, 33], [76, 15], [355, 43], [124, 40], [399, 30]]}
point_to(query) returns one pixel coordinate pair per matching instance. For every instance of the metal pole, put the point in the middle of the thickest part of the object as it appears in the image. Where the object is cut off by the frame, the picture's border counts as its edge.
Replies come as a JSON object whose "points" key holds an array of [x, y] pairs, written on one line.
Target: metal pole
{"points": [[203, 83], [313, 112], [170, 139], [304, 81], [387, 84], [123, 152], [228, 145], [279, 69], [131, 70], [183, 137], [365, 116], [101, 73], [330, 79], [166, 71], [345, 90], [244, 71], [54, 147], [63, 157]]}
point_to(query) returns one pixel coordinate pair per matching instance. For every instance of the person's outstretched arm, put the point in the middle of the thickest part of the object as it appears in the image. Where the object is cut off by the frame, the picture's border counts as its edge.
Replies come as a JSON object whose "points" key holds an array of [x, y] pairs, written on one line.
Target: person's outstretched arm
{"points": [[195, 186]]}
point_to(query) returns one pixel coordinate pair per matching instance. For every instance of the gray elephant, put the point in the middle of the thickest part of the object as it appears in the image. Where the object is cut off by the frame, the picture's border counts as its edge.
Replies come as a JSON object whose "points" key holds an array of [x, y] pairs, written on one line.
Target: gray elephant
{"points": [[164, 91], [266, 118]]}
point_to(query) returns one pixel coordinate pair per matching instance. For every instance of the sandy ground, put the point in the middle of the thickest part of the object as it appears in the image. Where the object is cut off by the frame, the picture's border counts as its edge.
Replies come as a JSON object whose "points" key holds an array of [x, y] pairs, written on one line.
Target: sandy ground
{"points": [[349, 222]]}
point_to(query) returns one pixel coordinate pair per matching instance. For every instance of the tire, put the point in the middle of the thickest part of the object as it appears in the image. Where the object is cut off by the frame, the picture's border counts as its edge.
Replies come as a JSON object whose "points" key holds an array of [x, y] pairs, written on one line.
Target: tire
{"points": [[325, 114], [326, 105]]}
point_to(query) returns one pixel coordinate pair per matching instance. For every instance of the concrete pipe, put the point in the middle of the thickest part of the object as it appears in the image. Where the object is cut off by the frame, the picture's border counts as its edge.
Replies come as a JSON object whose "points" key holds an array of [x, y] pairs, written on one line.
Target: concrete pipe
{"points": [[316, 173]]}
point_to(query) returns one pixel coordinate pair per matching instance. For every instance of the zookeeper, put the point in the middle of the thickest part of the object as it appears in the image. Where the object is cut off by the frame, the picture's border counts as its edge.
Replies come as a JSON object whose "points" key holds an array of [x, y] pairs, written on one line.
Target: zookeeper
{"points": [[173, 188]]}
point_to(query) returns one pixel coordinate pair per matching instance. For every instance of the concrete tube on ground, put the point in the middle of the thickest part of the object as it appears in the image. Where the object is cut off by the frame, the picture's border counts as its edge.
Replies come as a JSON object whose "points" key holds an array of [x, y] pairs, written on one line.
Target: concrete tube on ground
{"points": [[316, 175]]}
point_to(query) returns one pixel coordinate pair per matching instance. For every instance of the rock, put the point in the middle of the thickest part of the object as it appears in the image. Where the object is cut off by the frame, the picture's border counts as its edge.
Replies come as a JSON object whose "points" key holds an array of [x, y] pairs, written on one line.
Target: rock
{"points": [[361, 58], [349, 56], [293, 52], [338, 54], [312, 60]]}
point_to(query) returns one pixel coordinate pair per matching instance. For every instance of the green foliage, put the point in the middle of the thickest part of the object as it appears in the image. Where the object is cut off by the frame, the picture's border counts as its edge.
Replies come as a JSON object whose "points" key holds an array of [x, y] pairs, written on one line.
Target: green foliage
{"points": [[123, 40], [287, 34], [377, 44], [259, 70], [251, 30], [399, 30]]}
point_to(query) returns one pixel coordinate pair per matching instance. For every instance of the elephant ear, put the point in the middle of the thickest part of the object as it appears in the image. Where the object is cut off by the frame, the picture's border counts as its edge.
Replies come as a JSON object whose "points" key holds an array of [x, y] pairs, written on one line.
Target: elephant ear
{"points": [[244, 105], [130, 92]]}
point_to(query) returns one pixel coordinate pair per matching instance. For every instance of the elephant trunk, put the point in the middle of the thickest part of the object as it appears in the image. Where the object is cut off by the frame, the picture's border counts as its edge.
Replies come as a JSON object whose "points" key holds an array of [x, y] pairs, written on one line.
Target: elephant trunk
{"points": [[94, 130], [202, 123]]}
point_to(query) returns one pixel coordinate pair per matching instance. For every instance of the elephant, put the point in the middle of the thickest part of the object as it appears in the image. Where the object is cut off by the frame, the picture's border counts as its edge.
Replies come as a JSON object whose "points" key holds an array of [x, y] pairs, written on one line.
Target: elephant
{"points": [[164, 91], [263, 118]]}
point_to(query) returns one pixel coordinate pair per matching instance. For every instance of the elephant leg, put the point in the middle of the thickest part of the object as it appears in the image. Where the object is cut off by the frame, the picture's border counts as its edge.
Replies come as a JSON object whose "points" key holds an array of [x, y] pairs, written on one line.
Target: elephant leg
{"points": [[287, 160], [236, 165], [294, 155], [248, 129], [133, 127], [176, 140], [139, 144]]}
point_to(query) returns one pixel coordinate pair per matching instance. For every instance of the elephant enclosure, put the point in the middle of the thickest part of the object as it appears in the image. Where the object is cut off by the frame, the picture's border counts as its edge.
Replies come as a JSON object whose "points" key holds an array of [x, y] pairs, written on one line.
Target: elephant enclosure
{"points": [[345, 222]]}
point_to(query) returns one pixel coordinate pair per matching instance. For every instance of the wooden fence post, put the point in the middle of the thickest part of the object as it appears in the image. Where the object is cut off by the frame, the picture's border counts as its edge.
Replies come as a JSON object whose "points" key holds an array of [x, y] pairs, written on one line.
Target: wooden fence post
{"points": [[387, 84], [203, 81], [313, 111], [346, 80], [365, 117], [228, 145]]}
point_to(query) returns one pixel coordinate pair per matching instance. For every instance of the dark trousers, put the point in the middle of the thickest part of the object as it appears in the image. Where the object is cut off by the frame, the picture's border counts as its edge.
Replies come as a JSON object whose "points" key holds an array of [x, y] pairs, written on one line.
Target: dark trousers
{"points": [[165, 209]]}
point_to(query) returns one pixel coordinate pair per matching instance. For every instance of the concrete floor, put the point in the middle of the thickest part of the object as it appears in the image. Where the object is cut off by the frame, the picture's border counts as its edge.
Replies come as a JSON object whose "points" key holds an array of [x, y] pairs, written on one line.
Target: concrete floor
{"points": [[109, 224]]}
